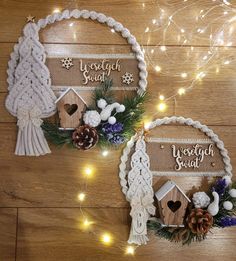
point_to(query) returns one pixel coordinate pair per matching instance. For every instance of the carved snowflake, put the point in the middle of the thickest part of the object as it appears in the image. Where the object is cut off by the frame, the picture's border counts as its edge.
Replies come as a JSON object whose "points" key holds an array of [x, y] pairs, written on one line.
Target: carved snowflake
{"points": [[127, 78], [67, 63]]}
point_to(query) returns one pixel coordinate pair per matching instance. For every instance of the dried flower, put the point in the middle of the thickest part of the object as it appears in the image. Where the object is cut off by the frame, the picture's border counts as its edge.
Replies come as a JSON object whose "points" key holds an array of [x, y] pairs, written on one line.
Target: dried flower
{"points": [[116, 139], [112, 128], [227, 221], [220, 187]]}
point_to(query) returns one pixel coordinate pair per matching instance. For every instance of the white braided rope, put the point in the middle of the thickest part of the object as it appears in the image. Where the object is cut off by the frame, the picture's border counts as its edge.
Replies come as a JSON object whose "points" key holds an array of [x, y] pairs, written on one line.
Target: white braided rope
{"points": [[112, 23], [173, 120], [124, 159], [101, 18]]}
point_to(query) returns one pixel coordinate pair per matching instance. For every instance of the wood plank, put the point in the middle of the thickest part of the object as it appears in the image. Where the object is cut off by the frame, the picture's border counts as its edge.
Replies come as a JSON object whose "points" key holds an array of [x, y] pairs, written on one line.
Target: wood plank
{"points": [[132, 14], [8, 222], [56, 179], [218, 86], [55, 234]]}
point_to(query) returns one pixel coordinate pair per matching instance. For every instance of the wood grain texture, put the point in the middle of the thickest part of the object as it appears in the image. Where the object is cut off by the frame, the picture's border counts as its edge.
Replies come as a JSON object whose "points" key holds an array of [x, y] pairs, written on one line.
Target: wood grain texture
{"points": [[207, 111], [45, 189], [68, 114], [8, 223], [136, 15], [55, 234], [172, 207], [56, 179]]}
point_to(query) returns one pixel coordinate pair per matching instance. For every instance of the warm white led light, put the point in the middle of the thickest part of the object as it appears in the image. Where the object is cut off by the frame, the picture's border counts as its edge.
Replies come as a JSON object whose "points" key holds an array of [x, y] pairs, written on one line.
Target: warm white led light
{"points": [[163, 48], [130, 250], [105, 153], [106, 239], [56, 10], [81, 197], [181, 91]]}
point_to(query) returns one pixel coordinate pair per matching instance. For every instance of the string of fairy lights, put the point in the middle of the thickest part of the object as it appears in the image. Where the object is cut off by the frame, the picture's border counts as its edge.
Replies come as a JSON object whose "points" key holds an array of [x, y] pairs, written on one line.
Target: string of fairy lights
{"points": [[215, 31], [86, 223]]}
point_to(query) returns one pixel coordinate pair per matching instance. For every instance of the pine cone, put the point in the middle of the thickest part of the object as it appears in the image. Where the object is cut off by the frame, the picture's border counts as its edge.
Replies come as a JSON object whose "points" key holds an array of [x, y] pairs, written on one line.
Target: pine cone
{"points": [[85, 137], [180, 235], [199, 221]]}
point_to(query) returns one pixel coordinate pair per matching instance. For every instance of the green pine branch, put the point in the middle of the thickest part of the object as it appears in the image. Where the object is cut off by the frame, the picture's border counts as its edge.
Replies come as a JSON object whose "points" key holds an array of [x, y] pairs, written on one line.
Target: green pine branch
{"points": [[130, 118], [55, 135], [104, 91], [171, 234]]}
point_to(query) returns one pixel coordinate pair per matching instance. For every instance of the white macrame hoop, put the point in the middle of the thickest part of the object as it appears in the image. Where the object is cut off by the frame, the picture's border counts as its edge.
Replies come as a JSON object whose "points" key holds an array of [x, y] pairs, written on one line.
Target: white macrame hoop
{"points": [[172, 120], [30, 139], [101, 18]]}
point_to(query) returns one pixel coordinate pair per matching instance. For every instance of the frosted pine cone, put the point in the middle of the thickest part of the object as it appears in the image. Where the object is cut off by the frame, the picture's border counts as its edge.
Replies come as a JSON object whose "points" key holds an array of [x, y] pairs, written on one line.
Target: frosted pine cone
{"points": [[85, 137], [200, 200], [92, 118]]}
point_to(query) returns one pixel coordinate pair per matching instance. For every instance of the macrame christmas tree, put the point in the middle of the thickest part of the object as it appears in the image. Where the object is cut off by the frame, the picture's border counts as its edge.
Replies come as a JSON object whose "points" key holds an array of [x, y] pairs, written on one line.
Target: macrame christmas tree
{"points": [[140, 193], [31, 97]]}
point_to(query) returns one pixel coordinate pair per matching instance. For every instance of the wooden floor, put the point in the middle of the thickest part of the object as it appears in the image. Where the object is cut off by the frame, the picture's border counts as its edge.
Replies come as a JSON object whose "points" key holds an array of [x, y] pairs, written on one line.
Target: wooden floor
{"points": [[40, 215]]}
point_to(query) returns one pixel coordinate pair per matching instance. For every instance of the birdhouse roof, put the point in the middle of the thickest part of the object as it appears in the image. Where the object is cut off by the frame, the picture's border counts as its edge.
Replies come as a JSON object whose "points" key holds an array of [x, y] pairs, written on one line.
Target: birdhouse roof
{"points": [[67, 91], [167, 187]]}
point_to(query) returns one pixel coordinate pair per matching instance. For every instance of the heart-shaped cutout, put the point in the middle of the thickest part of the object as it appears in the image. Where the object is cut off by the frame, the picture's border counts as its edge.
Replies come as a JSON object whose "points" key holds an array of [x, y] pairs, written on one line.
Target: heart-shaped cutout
{"points": [[70, 108], [173, 205]]}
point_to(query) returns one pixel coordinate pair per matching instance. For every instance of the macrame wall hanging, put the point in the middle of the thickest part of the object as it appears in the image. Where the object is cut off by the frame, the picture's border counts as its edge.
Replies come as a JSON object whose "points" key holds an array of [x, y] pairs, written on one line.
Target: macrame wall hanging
{"points": [[33, 96], [148, 155]]}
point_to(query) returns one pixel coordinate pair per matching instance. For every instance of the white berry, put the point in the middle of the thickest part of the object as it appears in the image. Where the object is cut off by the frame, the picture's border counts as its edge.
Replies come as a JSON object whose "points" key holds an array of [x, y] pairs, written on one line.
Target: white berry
{"points": [[228, 180], [112, 120], [228, 205], [101, 103], [232, 193], [121, 108]]}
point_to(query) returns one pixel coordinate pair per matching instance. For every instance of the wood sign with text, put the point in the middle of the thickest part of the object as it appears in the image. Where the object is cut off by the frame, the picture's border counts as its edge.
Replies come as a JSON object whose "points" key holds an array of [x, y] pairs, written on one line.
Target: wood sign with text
{"points": [[86, 71], [181, 156]]}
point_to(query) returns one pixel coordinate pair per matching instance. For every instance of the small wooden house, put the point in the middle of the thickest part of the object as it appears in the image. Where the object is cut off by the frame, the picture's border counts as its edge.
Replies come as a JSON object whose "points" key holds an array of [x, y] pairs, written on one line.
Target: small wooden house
{"points": [[172, 204], [71, 107]]}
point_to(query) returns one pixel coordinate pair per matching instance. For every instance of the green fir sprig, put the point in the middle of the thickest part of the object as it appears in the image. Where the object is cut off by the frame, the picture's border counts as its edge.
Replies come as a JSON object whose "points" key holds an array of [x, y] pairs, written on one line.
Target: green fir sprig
{"points": [[172, 234], [130, 118], [55, 135], [185, 235]]}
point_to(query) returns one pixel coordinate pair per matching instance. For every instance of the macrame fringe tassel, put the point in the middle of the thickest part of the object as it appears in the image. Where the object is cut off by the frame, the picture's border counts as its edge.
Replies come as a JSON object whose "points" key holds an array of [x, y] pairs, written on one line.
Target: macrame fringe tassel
{"points": [[137, 239], [31, 141], [138, 231]]}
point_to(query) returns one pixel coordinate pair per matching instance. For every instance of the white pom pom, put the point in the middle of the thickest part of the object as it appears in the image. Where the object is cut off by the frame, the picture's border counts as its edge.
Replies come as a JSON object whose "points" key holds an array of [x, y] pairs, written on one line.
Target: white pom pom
{"points": [[92, 118], [121, 108], [228, 180], [112, 120], [228, 205], [200, 200], [101, 103], [232, 193]]}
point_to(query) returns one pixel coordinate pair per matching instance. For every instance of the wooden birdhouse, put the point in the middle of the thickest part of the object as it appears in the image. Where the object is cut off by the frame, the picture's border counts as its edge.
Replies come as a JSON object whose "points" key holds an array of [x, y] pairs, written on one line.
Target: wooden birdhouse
{"points": [[172, 204], [71, 107]]}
